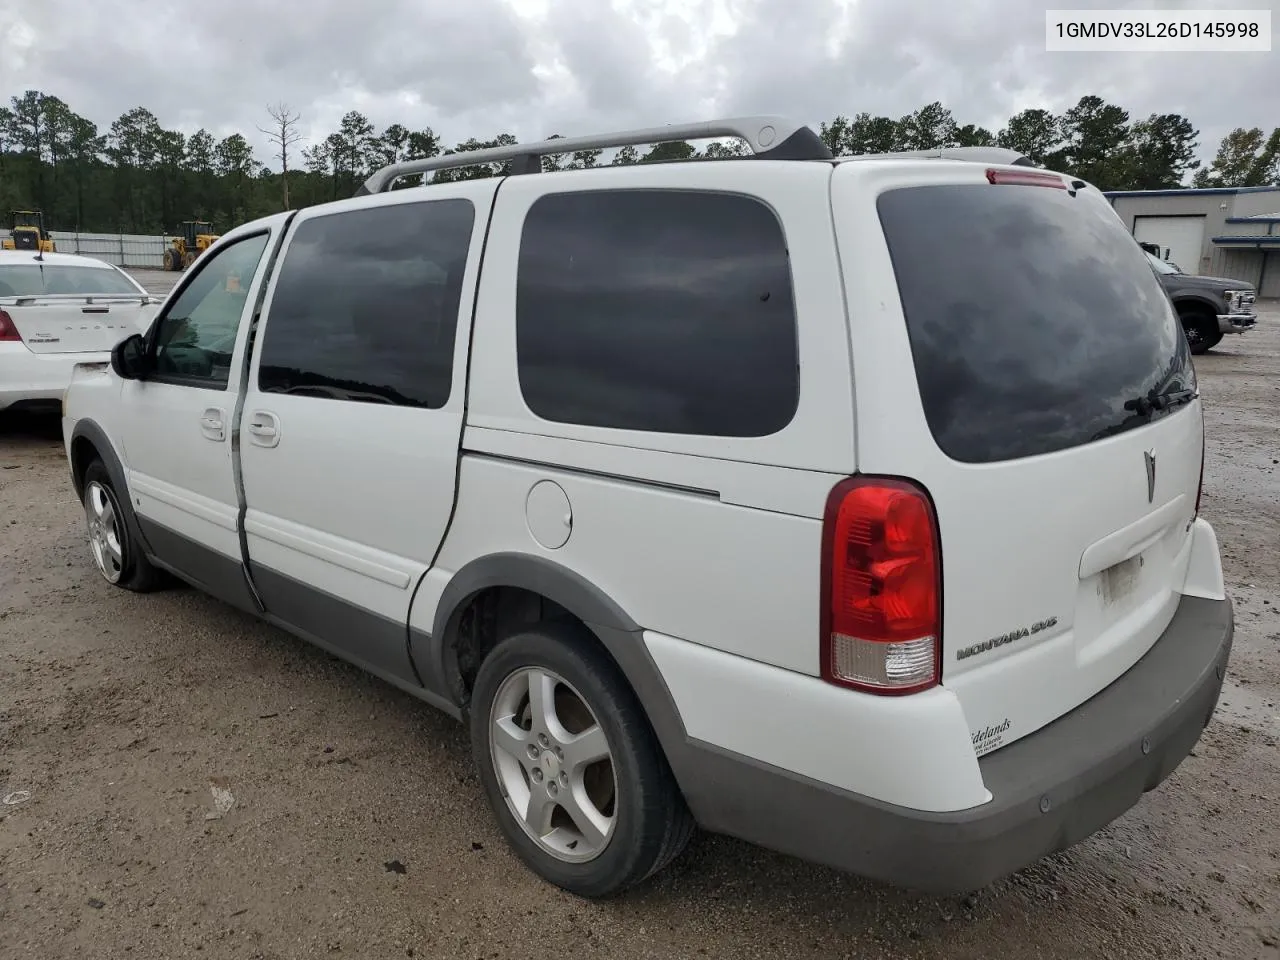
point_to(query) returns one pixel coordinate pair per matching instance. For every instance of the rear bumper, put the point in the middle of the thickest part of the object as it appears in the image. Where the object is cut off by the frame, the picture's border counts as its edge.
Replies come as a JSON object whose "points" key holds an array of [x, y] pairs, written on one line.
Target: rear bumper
{"points": [[1236, 322], [1049, 790], [38, 378]]}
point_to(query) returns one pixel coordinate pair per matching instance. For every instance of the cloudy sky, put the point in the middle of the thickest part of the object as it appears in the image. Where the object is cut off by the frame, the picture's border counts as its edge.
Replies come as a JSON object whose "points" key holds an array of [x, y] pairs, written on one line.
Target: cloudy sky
{"points": [[536, 67]]}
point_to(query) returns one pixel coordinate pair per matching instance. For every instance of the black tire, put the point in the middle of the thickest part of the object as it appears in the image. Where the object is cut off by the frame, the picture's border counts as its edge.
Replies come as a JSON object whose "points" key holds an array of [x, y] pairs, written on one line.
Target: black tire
{"points": [[1201, 328], [136, 572], [651, 823]]}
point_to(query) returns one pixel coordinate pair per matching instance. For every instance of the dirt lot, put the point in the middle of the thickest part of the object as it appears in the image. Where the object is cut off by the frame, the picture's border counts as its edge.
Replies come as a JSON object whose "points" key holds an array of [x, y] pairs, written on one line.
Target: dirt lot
{"points": [[359, 829]]}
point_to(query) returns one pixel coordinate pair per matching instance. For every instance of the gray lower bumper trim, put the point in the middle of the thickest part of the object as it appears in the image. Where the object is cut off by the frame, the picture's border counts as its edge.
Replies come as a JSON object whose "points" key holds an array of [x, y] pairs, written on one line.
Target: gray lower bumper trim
{"points": [[1050, 789]]}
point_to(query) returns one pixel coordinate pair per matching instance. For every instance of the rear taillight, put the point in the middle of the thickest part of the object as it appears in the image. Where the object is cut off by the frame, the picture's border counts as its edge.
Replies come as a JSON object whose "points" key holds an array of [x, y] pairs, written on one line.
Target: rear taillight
{"points": [[1026, 178], [8, 331], [881, 587]]}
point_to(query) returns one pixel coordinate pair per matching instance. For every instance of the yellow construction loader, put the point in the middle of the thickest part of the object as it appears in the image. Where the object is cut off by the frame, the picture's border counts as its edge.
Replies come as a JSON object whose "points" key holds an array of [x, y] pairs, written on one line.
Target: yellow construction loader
{"points": [[27, 232], [194, 238]]}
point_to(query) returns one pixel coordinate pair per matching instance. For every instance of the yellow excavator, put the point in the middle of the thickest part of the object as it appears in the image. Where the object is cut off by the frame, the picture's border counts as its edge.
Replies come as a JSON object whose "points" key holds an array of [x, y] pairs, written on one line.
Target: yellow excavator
{"points": [[194, 238], [27, 232]]}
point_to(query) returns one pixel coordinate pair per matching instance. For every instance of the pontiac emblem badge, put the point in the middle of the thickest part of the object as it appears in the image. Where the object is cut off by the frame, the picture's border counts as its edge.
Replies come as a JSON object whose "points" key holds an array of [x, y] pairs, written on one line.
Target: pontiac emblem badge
{"points": [[1150, 458]]}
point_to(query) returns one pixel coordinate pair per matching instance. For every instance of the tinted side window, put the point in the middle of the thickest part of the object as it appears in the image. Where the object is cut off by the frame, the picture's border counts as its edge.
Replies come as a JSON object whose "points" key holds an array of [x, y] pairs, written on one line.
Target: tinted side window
{"points": [[657, 310], [195, 339], [366, 305]]}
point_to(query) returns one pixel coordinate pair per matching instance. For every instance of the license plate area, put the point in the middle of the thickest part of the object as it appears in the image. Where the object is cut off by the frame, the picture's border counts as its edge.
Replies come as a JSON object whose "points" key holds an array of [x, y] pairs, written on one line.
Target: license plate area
{"points": [[1117, 605], [1118, 583]]}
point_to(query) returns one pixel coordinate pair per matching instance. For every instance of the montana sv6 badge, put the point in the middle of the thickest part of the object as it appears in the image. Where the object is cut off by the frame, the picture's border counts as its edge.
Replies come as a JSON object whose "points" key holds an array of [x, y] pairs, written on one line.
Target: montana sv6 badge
{"points": [[964, 653]]}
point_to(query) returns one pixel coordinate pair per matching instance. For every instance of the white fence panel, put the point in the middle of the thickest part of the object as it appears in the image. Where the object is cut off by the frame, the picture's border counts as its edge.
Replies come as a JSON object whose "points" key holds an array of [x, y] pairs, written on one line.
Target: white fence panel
{"points": [[122, 249]]}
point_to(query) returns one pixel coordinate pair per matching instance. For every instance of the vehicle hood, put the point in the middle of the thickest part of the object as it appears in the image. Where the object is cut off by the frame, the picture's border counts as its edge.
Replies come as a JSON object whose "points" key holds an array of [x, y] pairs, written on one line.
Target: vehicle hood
{"points": [[1186, 281]]}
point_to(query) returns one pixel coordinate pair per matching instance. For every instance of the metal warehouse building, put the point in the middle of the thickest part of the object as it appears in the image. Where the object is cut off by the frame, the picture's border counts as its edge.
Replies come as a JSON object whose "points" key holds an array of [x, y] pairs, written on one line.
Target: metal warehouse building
{"points": [[1220, 232]]}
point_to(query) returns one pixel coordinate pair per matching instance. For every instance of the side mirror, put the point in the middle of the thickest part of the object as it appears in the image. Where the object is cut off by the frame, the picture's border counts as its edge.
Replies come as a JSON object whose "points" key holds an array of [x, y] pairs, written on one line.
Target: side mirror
{"points": [[129, 358]]}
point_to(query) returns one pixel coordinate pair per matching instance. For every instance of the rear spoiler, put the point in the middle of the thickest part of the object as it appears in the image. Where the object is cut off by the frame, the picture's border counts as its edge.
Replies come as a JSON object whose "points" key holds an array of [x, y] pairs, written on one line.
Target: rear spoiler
{"points": [[32, 299], [972, 154]]}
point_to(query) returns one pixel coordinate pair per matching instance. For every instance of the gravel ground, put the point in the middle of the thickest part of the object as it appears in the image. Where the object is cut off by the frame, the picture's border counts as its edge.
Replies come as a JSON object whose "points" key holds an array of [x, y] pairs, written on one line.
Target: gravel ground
{"points": [[359, 829]]}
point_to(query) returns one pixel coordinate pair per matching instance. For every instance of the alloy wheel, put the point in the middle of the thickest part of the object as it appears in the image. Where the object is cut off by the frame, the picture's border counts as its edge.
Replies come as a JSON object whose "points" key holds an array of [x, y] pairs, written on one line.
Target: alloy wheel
{"points": [[554, 764], [104, 523]]}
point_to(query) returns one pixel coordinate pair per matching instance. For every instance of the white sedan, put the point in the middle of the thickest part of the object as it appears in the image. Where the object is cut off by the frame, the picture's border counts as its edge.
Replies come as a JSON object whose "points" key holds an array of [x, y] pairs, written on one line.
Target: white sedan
{"points": [[57, 310]]}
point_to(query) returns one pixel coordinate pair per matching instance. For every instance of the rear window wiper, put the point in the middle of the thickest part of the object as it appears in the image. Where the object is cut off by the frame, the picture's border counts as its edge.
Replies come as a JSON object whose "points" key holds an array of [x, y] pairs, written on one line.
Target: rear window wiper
{"points": [[1176, 398], [1141, 408], [1153, 401]]}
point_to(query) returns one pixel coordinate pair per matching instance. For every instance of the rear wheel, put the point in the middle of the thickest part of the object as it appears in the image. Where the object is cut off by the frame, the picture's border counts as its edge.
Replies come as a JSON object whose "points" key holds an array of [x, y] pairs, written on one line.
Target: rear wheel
{"points": [[1201, 328], [570, 766], [116, 553]]}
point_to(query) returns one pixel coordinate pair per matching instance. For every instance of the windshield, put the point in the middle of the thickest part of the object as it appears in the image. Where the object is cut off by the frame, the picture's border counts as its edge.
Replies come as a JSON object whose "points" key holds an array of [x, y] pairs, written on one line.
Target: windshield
{"points": [[1034, 321], [33, 280], [1161, 266]]}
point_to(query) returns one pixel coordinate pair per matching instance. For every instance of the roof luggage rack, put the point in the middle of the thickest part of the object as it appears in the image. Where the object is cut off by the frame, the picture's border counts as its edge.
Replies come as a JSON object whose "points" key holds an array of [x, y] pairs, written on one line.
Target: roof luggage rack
{"points": [[770, 138]]}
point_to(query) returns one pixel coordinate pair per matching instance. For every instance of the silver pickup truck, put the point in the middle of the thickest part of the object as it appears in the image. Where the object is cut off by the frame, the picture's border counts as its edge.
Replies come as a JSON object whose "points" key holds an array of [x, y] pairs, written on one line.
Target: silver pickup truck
{"points": [[1210, 307]]}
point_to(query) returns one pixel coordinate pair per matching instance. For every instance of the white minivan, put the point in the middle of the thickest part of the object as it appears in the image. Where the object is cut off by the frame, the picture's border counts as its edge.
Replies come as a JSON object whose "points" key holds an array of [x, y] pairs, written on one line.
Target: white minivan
{"points": [[849, 506]]}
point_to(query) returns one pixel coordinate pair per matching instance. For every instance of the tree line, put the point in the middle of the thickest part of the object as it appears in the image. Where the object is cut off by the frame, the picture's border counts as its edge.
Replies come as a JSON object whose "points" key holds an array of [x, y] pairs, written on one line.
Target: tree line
{"points": [[136, 176]]}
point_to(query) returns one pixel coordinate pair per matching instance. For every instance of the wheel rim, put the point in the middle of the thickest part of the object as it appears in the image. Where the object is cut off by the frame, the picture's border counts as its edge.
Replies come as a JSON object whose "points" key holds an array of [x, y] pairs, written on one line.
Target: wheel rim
{"points": [[1195, 329], [554, 764], [104, 531]]}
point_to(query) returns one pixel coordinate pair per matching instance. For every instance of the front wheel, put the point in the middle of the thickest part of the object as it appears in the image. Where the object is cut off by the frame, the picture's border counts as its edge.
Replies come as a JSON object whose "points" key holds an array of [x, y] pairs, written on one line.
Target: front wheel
{"points": [[570, 765], [116, 553], [1201, 329]]}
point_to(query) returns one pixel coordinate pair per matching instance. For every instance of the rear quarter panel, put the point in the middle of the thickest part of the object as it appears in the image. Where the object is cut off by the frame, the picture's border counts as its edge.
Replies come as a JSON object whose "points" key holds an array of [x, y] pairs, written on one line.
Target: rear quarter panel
{"points": [[710, 540]]}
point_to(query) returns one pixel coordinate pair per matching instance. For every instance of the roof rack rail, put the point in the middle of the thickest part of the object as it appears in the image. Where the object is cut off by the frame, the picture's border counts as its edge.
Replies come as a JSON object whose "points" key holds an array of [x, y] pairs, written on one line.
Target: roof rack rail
{"points": [[770, 138], [972, 154]]}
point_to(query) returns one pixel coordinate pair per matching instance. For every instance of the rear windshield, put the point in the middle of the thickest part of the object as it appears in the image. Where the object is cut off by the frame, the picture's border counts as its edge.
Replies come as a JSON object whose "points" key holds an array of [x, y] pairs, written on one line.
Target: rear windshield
{"points": [[33, 280], [1035, 320]]}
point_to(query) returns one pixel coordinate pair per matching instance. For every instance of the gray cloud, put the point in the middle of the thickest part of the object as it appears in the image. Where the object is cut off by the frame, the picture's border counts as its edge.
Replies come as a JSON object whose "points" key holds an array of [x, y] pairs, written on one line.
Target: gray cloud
{"points": [[533, 67]]}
